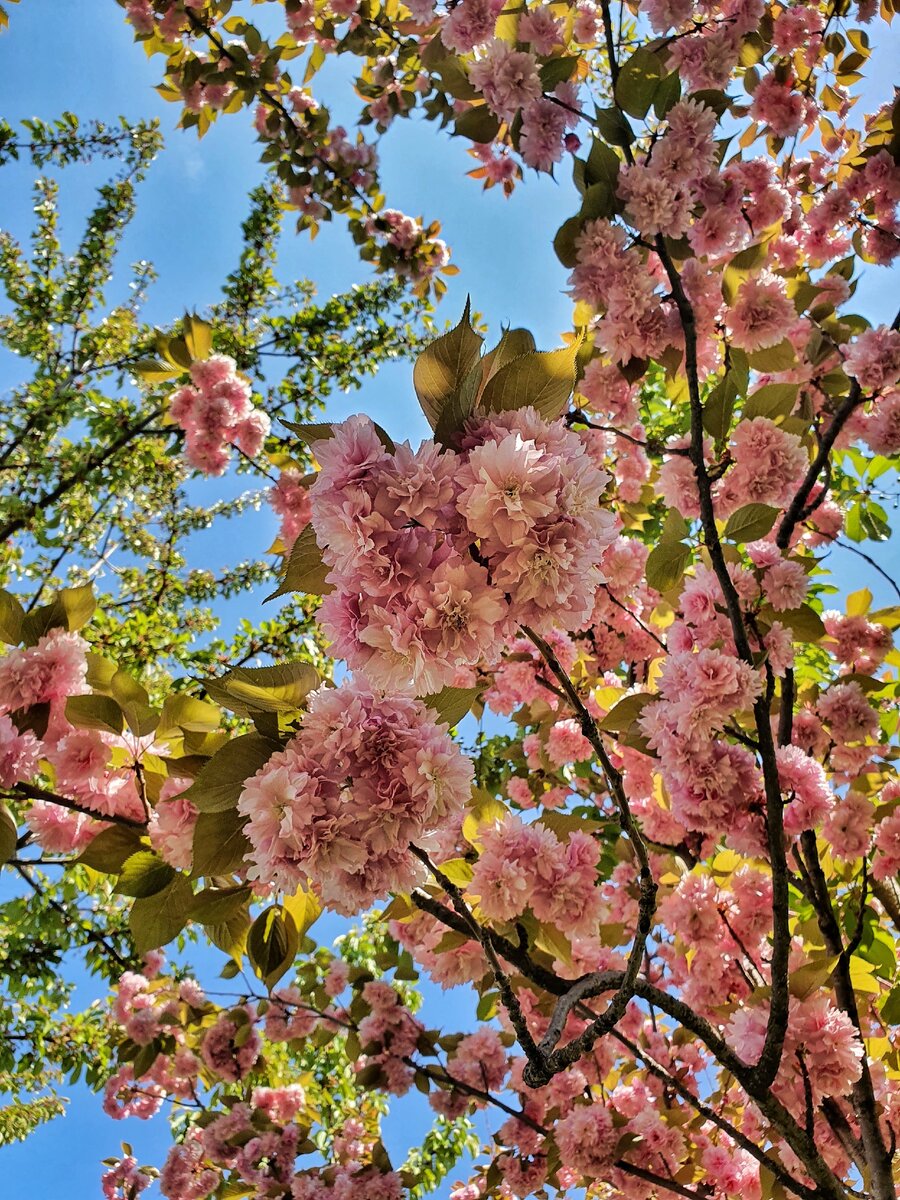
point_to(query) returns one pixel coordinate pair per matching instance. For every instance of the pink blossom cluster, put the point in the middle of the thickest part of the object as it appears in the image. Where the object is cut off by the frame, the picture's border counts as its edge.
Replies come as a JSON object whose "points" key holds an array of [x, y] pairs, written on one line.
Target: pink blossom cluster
{"points": [[422, 935], [860, 644], [290, 500], [819, 1033], [366, 776], [768, 464], [124, 1181], [388, 1037], [216, 411], [526, 867], [436, 555], [714, 786], [874, 359], [413, 251], [171, 824], [19, 754]]}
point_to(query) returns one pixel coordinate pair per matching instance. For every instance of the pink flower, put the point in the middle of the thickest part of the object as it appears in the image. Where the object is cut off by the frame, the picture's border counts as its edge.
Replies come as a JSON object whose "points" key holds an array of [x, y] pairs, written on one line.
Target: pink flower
{"points": [[171, 827], [844, 707], [886, 862], [566, 743], [124, 1180], [364, 778], [59, 830], [781, 107], [540, 29], [785, 584], [803, 782], [52, 670], [586, 1139], [874, 359], [290, 500], [762, 314], [221, 1052], [849, 827], [507, 78], [19, 754], [470, 24], [507, 485], [769, 464]]}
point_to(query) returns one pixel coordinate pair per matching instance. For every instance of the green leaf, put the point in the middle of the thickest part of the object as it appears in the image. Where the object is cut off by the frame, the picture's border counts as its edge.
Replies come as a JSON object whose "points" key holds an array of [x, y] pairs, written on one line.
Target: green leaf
{"points": [[775, 358], [666, 565], [95, 712], [212, 906], [311, 433], [890, 1009], [751, 522], [556, 71], [110, 849], [155, 920], [153, 370], [667, 94], [305, 571], [602, 165], [513, 343], [304, 907], [458, 871], [614, 127], [804, 622], [230, 935], [12, 614], [543, 379], [771, 400], [248, 690], [623, 715], [70, 609], [442, 367], [458, 408], [718, 408], [8, 835], [478, 124], [219, 843], [181, 711], [272, 945], [144, 874], [638, 80], [134, 700], [599, 200], [219, 785], [564, 242], [197, 337], [452, 704]]}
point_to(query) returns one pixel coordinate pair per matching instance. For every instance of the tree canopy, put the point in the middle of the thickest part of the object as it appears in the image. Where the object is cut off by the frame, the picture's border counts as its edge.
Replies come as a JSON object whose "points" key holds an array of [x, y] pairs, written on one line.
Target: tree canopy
{"points": [[661, 867]]}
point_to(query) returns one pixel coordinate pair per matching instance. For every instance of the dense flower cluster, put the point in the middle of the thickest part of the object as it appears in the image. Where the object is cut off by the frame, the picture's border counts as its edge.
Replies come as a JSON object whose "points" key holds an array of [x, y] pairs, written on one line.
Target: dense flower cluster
{"points": [[436, 556], [82, 763], [341, 803], [216, 411]]}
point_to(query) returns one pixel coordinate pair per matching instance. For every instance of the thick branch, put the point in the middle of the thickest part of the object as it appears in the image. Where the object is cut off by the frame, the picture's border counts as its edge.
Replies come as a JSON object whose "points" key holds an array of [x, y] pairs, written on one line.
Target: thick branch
{"points": [[28, 791]]}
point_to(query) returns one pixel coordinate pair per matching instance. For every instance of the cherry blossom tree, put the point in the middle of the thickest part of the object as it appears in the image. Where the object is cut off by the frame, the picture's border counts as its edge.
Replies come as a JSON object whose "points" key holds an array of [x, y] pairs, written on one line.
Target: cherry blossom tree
{"points": [[670, 887]]}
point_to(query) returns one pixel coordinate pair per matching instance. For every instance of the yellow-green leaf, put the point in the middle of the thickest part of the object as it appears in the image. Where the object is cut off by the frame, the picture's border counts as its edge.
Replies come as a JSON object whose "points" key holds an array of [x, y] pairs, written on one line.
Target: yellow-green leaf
{"points": [[305, 571], [219, 843], [452, 704], [542, 379], [155, 920], [11, 617], [219, 785], [751, 522], [249, 690], [442, 367]]}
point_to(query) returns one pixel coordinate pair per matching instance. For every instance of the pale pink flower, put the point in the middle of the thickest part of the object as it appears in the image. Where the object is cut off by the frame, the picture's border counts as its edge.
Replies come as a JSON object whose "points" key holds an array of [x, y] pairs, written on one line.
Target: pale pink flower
{"points": [[762, 314]]}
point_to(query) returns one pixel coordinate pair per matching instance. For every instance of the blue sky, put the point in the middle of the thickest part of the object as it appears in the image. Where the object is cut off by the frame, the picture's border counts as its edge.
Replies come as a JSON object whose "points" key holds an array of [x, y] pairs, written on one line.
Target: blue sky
{"points": [[80, 55]]}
